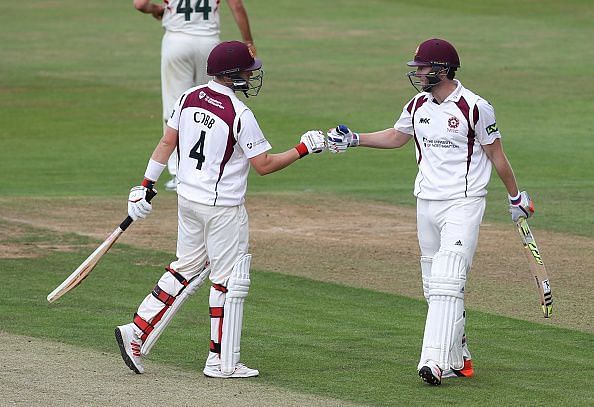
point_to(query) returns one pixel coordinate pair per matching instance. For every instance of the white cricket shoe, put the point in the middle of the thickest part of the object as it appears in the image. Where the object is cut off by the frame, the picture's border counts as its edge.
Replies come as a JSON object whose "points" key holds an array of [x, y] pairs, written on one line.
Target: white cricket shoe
{"points": [[130, 344], [240, 371], [430, 373], [171, 185]]}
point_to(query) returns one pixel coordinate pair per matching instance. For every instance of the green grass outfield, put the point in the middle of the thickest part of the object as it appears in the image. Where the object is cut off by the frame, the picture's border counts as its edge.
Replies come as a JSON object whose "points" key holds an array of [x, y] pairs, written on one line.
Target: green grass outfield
{"points": [[80, 114], [308, 336]]}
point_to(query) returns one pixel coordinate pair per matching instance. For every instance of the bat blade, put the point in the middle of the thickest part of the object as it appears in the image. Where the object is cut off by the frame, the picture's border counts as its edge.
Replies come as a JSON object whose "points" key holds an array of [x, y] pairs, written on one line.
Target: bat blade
{"points": [[537, 267], [86, 267], [89, 264]]}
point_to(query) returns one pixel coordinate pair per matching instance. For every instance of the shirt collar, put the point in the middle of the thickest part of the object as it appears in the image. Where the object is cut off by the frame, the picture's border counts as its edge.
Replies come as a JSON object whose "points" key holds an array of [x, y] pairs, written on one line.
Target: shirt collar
{"points": [[456, 94], [217, 87]]}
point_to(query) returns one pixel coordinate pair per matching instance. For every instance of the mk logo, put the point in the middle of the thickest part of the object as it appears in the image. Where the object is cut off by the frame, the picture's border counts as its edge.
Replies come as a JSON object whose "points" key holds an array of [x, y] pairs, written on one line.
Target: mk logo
{"points": [[424, 120], [458, 243]]}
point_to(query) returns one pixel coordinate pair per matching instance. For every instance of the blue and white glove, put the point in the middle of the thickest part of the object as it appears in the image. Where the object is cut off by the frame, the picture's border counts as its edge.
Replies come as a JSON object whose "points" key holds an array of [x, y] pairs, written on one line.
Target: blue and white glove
{"points": [[520, 206], [138, 206], [340, 138]]}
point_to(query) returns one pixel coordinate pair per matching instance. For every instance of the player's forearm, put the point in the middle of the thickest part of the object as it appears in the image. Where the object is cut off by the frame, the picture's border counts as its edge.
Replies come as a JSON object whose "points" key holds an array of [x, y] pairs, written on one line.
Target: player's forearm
{"points": [[147, 7], [388, 138], [506, 174], [166, 146], [504, 171], [241, 18], [143, 6], [268, 163], [502, 166], [162, 152]]}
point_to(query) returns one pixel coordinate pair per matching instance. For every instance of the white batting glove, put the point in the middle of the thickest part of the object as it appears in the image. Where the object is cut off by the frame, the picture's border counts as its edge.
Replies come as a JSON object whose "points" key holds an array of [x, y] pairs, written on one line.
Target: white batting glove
{"points": [[520, 206], [138, 206], [340, 138], [311, 142]]}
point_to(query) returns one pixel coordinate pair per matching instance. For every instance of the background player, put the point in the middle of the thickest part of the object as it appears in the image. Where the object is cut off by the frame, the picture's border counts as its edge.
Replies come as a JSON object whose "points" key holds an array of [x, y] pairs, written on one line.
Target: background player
{"points": [[192, 29], [457, 142], [218, 139]]}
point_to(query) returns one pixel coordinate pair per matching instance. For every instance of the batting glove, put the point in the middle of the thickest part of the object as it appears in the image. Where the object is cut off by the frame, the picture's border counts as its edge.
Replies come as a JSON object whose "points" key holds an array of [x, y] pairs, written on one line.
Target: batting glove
{"points": [[138, 206], [340, 138], [520, 206], [311, 142]]}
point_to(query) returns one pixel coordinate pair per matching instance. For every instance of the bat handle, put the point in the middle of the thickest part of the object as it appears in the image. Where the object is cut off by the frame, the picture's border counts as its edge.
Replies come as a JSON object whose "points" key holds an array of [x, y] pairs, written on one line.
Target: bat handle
{"points": [[150, 194]]}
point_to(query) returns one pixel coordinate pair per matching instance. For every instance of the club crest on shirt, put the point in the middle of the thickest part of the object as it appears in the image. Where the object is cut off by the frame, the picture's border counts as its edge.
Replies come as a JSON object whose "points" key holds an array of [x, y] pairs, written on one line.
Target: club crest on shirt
{"points": [[492, 128], [453, 124]]}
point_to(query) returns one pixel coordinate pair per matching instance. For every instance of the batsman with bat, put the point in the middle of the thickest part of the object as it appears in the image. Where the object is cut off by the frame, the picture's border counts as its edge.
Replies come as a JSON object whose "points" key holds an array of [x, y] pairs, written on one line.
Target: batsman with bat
{"points": [[217, 138], [457, 143]]}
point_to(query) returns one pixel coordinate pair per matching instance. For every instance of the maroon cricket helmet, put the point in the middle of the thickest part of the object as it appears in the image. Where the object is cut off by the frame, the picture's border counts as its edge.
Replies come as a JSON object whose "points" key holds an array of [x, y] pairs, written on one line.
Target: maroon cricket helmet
{"points": [[436, 52], [231, 57]]}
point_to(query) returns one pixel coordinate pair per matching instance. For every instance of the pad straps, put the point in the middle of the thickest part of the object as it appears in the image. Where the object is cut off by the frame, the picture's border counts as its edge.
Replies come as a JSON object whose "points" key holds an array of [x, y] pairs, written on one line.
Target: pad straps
{"points": [[167, 299]]}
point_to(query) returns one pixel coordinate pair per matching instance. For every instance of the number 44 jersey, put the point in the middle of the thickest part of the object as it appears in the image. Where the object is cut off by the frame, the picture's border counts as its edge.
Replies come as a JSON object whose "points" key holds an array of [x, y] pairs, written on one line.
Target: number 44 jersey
{"points": [[217, 135], [195, 17]]}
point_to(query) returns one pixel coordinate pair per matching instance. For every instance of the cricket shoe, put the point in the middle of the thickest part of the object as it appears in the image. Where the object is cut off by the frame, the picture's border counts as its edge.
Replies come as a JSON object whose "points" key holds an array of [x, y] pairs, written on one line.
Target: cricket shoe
{"points": [[466, 371], [240, 371], [430, 373], [130, 344], [171, 185]]}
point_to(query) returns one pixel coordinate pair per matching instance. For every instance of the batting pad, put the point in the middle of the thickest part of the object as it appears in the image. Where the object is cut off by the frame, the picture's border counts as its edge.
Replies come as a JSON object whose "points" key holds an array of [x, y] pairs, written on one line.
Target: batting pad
{"points": [[170, 311], [444, 326], [426, 264], [237, 290]]}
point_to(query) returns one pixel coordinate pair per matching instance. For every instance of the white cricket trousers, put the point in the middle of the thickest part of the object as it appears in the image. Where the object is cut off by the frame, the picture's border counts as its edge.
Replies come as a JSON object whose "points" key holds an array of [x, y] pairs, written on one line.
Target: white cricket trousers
{"points": [[450, 228], [451, 225], [183, 65], [205, 233], [218, 234]]}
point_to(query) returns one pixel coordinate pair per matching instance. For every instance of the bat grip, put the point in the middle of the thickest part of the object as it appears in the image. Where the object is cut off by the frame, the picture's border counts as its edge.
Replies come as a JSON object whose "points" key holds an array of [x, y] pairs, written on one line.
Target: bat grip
{"points": [[150, 194]]}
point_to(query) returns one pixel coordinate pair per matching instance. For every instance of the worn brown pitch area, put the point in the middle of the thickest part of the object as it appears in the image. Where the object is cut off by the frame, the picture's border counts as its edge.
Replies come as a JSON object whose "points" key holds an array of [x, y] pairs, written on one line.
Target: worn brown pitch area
{"points": [[366, 244], [35, 372]]}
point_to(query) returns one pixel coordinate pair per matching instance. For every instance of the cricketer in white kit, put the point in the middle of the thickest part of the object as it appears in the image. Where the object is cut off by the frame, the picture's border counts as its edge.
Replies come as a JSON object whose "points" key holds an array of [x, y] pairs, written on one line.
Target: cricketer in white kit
{"points": [[191, 30], [457, 143], [218, 138]]}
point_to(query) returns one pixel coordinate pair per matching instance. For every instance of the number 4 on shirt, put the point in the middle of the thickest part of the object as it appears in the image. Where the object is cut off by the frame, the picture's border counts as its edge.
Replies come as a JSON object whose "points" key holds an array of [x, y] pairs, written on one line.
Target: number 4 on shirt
{"points": [[197, 152], [186, 9]]}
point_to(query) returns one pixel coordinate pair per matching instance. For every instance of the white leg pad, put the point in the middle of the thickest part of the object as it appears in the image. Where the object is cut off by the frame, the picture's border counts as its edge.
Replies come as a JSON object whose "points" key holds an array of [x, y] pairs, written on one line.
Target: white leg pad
{"points": [[237, 290], [444, 327], [216, 303], [465, 352], [194, 284], [426, 264]]}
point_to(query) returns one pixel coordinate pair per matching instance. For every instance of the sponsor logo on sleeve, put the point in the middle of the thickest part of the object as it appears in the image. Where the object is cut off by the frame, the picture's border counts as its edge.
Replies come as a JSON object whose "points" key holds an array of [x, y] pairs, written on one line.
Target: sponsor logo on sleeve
{"points": [[492, 128], [256, 143]]}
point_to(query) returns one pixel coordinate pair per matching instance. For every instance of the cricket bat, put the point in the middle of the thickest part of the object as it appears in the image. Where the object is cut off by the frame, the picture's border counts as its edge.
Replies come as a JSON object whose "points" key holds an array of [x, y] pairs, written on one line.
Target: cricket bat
{"points": [[89, 264], [537, 267]]}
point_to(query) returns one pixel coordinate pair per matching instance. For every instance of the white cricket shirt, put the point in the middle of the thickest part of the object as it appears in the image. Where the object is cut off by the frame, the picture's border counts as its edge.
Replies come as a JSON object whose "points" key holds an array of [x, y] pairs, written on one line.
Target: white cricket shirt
{"points": [[218, 135], [195, 17], [449, 138]]}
